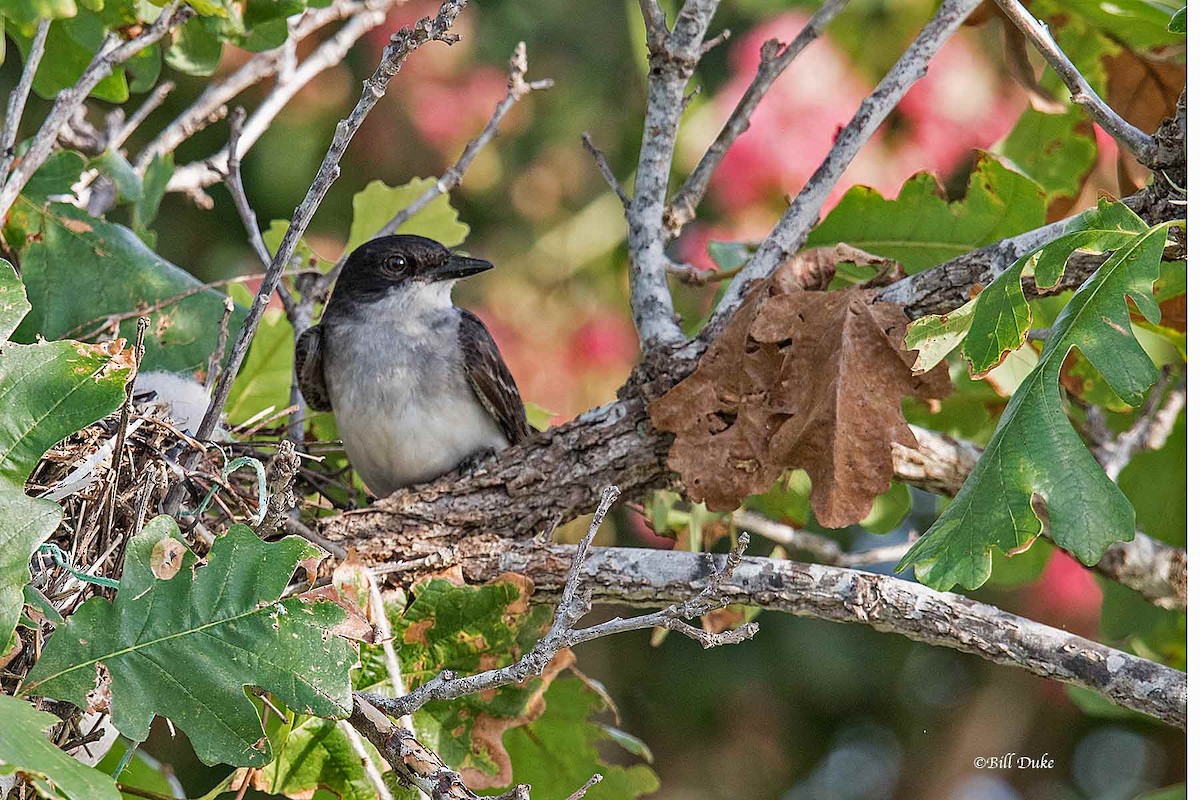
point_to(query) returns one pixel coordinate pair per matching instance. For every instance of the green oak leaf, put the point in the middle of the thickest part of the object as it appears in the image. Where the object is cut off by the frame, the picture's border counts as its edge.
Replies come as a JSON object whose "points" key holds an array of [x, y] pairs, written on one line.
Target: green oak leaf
{"points": [[377, 203], [154, 186], [996, 322], [82, 269], [183, 641], [24, 748], [47, 392], [310, 754], [14, 305], [922, 229], [1036, 453], [25, 523], [557, 752], [467, 629], [1057, 151], [266, 376], [1178, 23]]}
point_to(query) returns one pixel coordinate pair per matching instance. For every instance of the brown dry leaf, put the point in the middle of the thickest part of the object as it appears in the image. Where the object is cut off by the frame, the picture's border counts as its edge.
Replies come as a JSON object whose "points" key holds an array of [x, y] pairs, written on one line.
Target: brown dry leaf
{"points": [[352, 578], [809, 380], [166, 557], [488, 732], [1144, 93], [355, 626]]}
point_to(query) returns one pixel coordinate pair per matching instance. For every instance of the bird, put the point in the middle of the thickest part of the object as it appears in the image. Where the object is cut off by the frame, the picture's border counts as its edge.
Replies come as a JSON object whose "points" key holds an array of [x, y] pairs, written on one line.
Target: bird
{"points": [[417, 385]]}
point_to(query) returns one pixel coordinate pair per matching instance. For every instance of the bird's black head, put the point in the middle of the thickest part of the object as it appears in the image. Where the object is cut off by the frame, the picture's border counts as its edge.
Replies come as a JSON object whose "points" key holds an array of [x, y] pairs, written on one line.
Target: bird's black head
{"points": [[389, 261]]}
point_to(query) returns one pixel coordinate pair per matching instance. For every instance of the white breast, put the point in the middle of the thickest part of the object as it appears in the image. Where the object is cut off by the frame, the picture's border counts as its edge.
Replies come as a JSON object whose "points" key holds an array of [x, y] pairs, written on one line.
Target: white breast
{"points": [[405, 411]]}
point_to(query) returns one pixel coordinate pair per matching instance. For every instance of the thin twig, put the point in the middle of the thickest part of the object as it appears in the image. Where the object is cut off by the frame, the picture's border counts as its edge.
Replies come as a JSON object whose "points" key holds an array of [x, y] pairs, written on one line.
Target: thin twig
{"points": [[218, 353], [19, 97], [605, 170], [148, 107], [518, 87], [825, 549], [139, 350], [210, 105], [574, 604], [772, 62], [1137, 142], [592, 781], [233, 181], [793, 227], [330, 53], [109, 55]]}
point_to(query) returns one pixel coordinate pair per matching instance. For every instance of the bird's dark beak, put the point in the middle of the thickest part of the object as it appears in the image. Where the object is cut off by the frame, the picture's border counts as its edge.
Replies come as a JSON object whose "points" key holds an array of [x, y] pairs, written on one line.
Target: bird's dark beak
{"points": [[459, 267]]}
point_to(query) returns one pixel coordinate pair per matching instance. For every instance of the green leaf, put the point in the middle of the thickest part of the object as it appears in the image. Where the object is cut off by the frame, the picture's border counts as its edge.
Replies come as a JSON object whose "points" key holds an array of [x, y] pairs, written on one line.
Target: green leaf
{"points": [[196, 49], [56, 176], [1176, 792], [185, 645], [1057, 151], [310, 754], [1155, 481], [935, 337], [24, 748], [25, 523], [47, 392], [1178, 23], [466, 629], [70, 45], [727, 255], [996, 321], [27, 12], [1138, 24], [154, 186], [376, 204], [1035, 451], [83, 269], [13, 303], [922, 229], [557, 752], [889, 509], [265, 379], [124, 177]]}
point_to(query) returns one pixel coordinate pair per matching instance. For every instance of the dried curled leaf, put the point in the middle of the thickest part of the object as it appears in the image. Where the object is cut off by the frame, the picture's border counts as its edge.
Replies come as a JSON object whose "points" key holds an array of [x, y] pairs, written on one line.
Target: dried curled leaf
{"points": [[809, 380]]}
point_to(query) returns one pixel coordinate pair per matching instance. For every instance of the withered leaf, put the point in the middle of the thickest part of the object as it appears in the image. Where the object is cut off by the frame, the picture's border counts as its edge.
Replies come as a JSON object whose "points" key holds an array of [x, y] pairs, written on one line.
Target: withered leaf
{"points": [[809, 380]]}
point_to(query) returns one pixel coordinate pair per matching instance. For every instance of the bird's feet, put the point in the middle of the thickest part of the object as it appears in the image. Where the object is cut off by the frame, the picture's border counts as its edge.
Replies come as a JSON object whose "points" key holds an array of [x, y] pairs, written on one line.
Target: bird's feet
{"points": [[474, 461]]}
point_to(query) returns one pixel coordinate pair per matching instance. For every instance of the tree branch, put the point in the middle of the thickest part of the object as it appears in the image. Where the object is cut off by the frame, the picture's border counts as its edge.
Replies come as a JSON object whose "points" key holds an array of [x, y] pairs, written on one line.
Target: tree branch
{"points": [[673, 58], [574, 604], [793, 228], [1136, 141], [210, 105], [107, 57], [19, 96], [331, 52], [774, 58], [635, 576], [518, 87]]}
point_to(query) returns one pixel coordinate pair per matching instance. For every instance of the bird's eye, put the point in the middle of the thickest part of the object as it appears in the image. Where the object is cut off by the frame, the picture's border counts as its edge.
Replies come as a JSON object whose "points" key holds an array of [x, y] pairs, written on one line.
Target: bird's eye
{"points": [[395, 264]]}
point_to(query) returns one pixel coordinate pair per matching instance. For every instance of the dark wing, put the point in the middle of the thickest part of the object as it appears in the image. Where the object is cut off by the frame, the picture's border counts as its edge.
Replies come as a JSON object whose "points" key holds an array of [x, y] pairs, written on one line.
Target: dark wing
{"points": [[310, 369], [489, 377]]}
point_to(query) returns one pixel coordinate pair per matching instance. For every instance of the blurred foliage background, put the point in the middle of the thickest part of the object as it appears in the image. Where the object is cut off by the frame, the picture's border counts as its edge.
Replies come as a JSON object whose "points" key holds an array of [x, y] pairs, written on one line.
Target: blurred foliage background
{"points": [[808, 709]]}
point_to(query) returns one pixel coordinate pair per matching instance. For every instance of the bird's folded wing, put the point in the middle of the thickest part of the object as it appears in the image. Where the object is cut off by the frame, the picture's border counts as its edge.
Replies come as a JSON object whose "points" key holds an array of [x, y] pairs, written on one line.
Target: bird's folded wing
{"points": [[310, 369], [490, 379]]}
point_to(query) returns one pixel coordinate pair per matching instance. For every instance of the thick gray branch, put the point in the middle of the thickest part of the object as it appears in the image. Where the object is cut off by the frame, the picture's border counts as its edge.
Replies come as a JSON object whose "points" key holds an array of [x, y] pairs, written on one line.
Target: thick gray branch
{"points": [[637, 576], [673, 58]]}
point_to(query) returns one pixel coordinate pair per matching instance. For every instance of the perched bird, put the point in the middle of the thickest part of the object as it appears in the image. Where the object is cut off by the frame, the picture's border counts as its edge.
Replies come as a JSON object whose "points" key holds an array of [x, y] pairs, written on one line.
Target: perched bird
{"points": [[416, 383]]}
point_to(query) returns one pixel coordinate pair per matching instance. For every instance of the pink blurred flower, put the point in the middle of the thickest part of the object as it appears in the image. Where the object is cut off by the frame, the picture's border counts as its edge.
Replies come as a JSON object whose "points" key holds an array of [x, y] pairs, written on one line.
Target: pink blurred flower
{"points": [[1066, 595], [960, 105]]}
